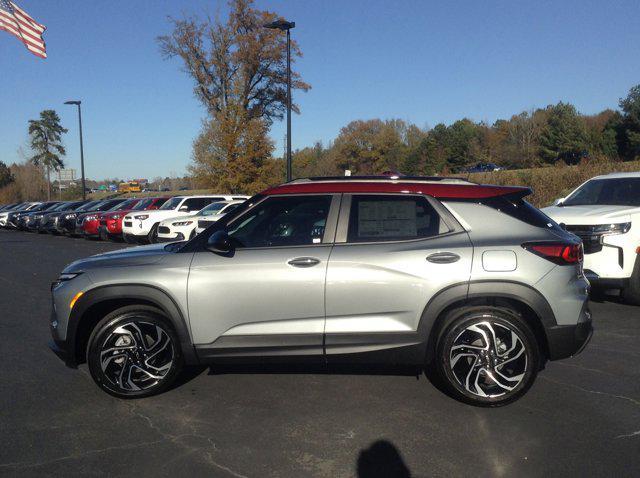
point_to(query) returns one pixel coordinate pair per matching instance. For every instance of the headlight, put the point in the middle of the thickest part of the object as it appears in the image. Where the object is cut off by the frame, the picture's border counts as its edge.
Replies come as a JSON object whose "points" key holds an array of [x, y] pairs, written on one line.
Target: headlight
{"points": [[142, 217], [115, 216], [620, 228], [93, 217], [65, 277], [181, 223], [69, 216]]}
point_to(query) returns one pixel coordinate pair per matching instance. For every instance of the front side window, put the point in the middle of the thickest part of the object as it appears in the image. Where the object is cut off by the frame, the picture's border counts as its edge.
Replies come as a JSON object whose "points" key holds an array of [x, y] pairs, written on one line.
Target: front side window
{"points": [[392, 218], [282, 221]]}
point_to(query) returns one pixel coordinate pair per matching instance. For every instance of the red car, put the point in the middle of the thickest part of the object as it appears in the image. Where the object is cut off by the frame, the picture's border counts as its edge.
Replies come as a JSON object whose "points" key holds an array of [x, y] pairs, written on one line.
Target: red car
{"points": [[111, 222], [90, 223]]}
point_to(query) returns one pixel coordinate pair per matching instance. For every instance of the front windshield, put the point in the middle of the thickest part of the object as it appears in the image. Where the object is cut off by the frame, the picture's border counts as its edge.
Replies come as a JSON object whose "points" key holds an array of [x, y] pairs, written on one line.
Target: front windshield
{"points": [[211, 209], [606, 192], [122, 206], [171, 204], [88, 206], [105, 206], [142, 205], [60, 207]]}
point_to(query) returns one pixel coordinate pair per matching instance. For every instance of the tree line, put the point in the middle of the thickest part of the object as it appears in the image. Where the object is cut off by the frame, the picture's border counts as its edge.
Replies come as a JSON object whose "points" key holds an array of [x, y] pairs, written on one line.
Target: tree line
{"points": [[531, 139]]}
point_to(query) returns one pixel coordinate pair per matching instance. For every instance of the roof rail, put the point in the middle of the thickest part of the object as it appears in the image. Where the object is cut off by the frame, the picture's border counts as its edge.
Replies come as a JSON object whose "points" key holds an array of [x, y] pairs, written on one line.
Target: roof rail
{"points": [[381, 178]]}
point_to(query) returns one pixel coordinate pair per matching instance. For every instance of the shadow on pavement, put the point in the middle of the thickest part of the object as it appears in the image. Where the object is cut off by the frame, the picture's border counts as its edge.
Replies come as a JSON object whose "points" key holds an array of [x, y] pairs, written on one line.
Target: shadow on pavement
{"points": [[381, 460]]}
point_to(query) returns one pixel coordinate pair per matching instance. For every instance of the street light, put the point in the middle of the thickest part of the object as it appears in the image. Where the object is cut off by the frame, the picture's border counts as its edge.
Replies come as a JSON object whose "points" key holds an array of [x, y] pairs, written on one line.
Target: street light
{"points": [[284, 25], [77, 103]]}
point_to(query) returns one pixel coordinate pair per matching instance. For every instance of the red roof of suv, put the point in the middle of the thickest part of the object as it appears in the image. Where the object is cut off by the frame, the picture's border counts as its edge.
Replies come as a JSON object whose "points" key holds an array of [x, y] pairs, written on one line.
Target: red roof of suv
{"points": [[441, 188]]}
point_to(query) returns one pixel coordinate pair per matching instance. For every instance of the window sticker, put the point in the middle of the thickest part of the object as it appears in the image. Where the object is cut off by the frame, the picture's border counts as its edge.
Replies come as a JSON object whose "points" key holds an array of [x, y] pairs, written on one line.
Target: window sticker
{"points": [[387, 219]]}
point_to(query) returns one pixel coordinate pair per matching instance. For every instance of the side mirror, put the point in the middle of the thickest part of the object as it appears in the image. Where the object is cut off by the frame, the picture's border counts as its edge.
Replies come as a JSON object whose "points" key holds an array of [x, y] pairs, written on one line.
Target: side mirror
{"points": [[220, 243], [558, 202], [183, 208]]}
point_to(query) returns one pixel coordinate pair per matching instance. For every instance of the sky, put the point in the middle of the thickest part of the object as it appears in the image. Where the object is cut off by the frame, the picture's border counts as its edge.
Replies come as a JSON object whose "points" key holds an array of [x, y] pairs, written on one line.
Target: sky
{"points": [[426, 62]]}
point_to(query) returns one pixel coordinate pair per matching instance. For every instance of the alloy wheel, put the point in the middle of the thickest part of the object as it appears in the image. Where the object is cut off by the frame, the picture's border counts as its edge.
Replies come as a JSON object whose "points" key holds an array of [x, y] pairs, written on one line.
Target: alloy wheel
{"points": [[488, 359], [136, 356]]}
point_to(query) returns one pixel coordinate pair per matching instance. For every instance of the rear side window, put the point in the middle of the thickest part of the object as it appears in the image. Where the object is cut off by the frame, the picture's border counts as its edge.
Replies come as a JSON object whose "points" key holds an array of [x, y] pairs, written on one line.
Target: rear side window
{"points": [[392, 218], [520, 209]]}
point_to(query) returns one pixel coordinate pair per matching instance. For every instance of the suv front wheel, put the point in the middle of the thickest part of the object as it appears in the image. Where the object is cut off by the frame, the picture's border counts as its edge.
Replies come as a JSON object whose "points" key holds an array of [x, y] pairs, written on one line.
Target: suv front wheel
{"points": [[134, 352], [487, 356]]}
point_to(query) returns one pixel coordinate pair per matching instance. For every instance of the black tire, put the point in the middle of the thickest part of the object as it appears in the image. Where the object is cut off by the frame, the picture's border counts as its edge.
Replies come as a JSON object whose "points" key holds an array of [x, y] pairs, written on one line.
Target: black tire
{"points": [[476, 371], [134, 369], [631, 293], [152, 237]]}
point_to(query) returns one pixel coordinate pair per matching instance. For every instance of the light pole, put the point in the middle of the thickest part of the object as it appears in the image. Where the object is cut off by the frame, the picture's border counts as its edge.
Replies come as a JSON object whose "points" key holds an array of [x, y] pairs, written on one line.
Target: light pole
{"points": [[77, 103], [284, 25]]}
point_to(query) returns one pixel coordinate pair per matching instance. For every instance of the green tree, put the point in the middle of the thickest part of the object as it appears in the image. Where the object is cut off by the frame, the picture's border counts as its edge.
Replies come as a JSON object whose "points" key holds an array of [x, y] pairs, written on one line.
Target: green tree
{"points": [[565, 133], [46, 143], [6, 177], [629, 129]]}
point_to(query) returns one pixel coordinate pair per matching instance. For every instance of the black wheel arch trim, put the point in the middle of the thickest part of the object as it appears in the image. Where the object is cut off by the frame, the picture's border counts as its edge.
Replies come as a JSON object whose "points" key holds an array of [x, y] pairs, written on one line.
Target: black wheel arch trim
{"points": [[466, 292], [144, 292]]}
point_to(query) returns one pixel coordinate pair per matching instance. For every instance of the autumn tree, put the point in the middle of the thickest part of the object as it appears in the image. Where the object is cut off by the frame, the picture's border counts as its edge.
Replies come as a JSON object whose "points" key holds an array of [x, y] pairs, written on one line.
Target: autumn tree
{"points": [[239, 73], [46, 143]]}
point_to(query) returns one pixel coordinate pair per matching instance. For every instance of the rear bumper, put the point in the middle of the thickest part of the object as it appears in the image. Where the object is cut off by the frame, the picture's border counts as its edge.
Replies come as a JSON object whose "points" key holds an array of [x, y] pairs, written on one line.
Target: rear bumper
{"points": [[569, 340], [598, 282]]}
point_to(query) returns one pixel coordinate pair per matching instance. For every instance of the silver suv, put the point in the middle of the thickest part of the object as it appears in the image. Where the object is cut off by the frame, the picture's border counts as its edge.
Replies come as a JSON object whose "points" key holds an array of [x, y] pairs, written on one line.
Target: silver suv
{"points": [[469, 281]]}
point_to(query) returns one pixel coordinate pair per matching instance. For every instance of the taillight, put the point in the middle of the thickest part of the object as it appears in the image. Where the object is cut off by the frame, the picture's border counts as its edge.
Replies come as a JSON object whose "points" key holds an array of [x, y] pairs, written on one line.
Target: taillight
{"points": [[556, 252]]}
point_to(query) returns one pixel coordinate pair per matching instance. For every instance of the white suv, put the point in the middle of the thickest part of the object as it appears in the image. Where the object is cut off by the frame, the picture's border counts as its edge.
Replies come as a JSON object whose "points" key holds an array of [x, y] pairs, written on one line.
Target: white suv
{"points": [[183, 228], [142, 226], [605, 213]]}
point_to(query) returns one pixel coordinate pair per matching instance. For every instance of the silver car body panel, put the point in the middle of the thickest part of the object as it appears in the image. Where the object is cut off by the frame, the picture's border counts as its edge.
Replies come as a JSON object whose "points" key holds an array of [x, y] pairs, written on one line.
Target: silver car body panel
{"points": [[256, 296]]}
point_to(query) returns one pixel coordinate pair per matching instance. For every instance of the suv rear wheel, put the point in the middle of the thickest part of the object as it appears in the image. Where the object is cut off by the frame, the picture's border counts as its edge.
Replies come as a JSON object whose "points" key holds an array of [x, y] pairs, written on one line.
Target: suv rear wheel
{"points": [[133, 352], [487, 356]]}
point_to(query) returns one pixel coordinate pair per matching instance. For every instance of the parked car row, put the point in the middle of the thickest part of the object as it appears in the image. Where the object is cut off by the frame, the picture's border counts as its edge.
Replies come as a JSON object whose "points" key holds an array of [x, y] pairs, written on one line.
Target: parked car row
{"points": [[134, 220]]}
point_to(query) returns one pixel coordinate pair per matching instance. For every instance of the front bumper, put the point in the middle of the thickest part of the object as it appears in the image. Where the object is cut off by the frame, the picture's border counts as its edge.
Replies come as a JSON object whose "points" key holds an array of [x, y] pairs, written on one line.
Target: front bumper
{"points": [[58, 346], [569, 340], [178, 237]]}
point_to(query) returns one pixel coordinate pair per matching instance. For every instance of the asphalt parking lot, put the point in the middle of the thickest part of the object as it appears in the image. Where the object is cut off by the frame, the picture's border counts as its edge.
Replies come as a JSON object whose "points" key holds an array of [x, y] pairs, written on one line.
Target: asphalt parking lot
{"points": [[581, 418]]}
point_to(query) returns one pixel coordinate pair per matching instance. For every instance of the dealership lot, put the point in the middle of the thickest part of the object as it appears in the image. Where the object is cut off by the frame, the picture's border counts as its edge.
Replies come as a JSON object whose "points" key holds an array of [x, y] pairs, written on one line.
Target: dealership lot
{"points": [[581, 417]]}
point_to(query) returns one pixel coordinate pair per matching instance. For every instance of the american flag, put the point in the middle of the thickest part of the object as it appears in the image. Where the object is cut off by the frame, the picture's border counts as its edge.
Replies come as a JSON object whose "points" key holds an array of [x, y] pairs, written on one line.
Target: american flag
{"points": [[17, 22]]}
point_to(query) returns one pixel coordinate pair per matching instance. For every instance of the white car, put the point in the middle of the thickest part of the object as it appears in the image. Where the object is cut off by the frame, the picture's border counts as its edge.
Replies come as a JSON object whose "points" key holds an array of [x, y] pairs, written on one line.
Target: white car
{"points": [[184, 228], [142, 226], [25, 206], [605, 213]]}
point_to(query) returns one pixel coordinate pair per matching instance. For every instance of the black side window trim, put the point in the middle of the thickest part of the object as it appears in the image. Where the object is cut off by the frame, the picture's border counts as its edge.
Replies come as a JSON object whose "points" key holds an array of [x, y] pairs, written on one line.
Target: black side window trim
{"points": [[345, 212]]}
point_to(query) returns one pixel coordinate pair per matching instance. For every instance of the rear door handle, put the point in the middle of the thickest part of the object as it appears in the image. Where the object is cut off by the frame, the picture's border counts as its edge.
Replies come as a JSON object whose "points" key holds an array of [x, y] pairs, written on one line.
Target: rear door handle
{"points": [[304, 262], [443, 257]]}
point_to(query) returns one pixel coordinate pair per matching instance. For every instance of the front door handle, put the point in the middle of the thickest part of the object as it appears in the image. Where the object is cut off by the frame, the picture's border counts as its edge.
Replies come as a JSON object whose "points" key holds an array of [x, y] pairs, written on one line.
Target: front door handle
{"points": [[443, 257], [304, 262]]}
